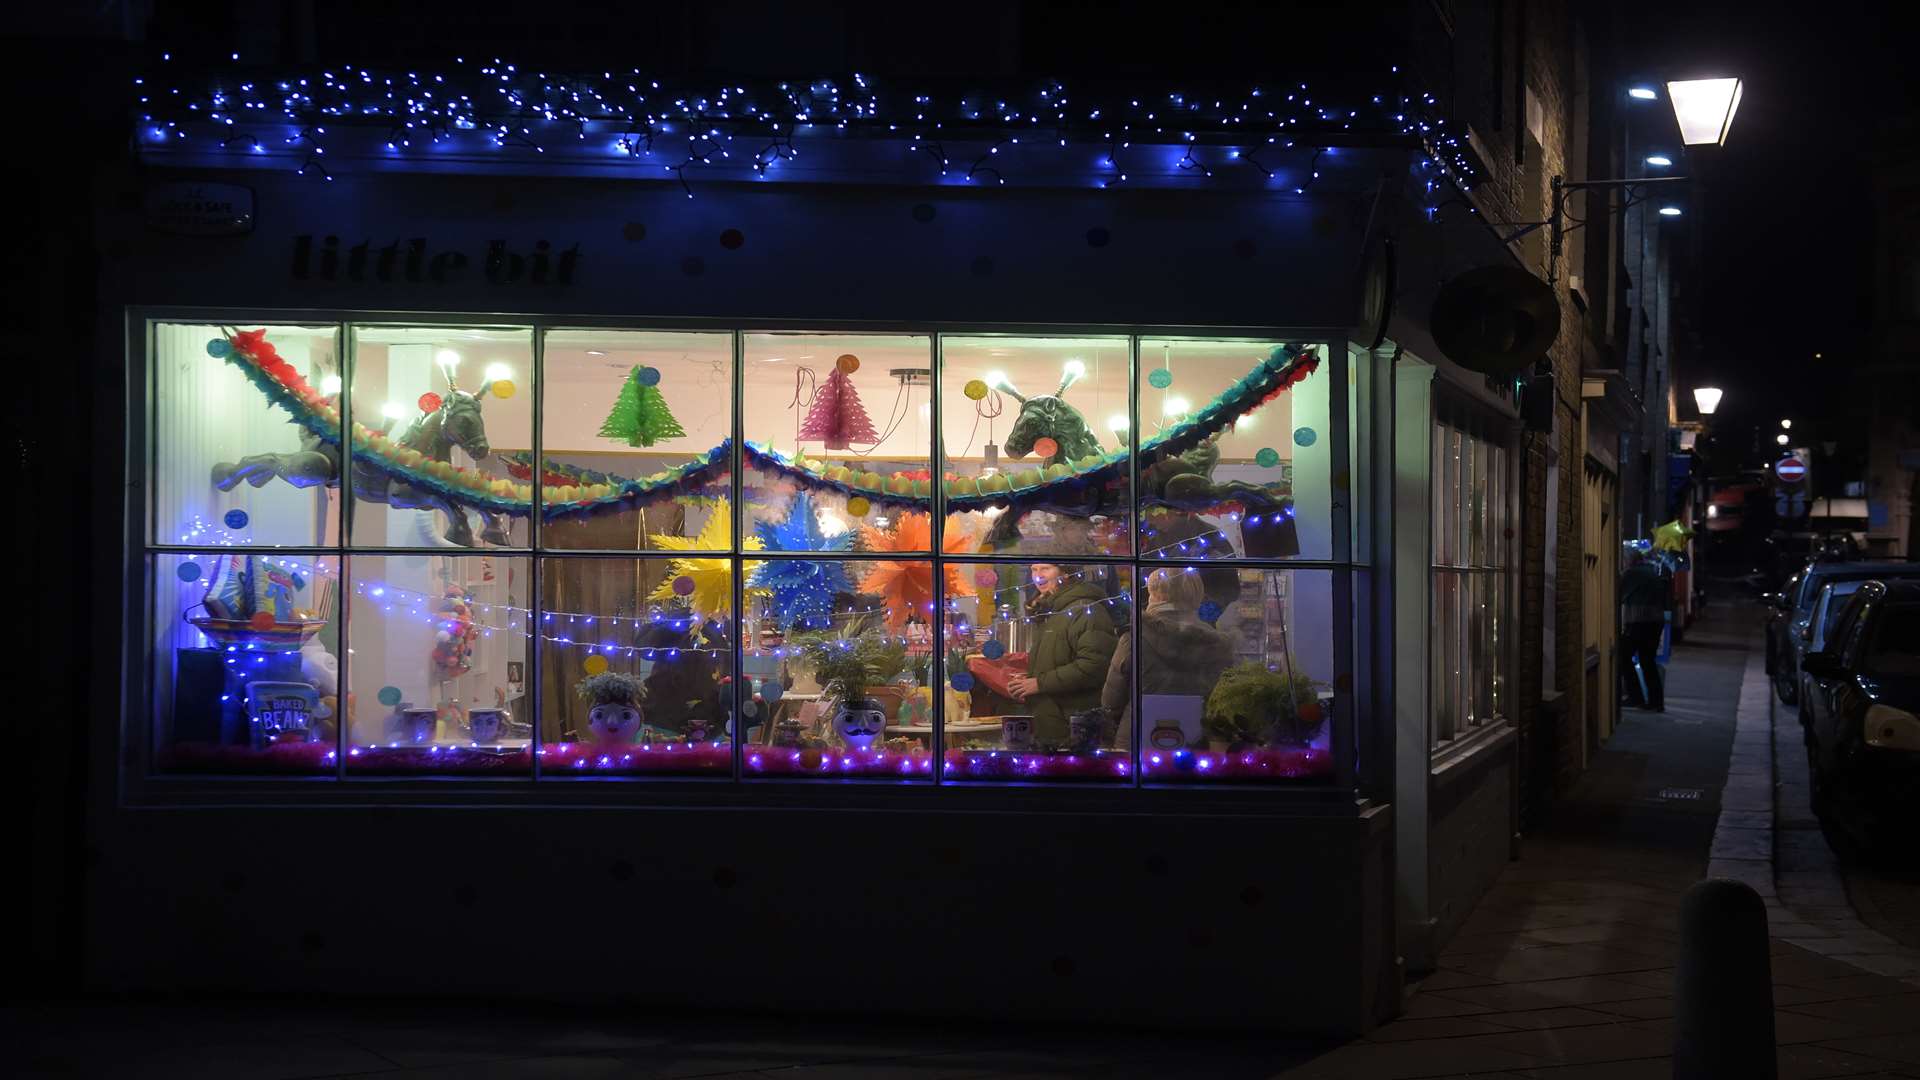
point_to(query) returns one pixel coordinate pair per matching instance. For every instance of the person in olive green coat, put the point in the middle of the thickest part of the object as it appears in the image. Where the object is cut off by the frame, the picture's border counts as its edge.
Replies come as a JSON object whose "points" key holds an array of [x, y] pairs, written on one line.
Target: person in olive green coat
{"points": [[1068, 662]]}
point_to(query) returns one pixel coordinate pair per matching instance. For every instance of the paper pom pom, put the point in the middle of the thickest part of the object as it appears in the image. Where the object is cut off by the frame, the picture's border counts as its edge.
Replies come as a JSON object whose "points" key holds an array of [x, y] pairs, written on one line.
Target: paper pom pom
{"points": [[429, 402], [1304, 436], [649, 376], [187, 571], [1045, 447], [771, 690], [683, 586], [220, 348], [975, 389], [236, 519], [986, 577], [503, 388], [858, 506], [389, 695], [261, 620], [993, 650], [847, 363], [594, 665], [1160, 378], [962, 681], [1209, 612], [749, 709], [1267, 458], [1311, 712], [810, 758]]}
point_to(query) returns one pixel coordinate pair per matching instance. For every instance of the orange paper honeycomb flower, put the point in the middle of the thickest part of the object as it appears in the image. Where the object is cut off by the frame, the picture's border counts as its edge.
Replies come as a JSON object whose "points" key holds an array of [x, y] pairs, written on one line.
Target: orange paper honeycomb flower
{"points": [[907, 587]]}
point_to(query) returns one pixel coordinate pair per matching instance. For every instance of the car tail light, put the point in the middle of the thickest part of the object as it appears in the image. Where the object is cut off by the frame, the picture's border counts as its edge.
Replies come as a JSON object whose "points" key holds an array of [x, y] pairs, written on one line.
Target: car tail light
{"points": [[1888, 728]]}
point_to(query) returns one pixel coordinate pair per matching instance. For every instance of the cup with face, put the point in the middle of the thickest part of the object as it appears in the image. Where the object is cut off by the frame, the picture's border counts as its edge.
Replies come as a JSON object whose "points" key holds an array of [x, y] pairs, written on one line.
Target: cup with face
{"points": [[614, 711]]}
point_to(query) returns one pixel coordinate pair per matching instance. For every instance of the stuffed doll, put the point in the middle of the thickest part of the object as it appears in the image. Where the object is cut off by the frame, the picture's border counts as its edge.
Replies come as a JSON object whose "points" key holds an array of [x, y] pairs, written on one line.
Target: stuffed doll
{"points": [[614, 714]]}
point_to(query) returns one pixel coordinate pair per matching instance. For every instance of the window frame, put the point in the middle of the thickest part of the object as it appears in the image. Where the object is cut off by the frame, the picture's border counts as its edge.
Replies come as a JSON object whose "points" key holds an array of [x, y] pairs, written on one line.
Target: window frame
{"points": [[1499, 546], [140, 782]]}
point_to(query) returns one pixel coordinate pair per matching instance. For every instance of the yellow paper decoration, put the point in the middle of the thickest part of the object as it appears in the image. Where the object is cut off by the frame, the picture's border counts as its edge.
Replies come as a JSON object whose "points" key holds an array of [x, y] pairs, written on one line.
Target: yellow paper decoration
{"points": [[1672, 536], [503, 388], [594, 664], [712, 577], [975, 389], [858, 506]]}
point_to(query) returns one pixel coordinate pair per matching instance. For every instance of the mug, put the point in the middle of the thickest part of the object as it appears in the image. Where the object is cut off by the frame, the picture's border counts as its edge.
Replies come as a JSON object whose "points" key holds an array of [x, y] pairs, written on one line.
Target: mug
{"points": [[1016, 732], [417, 726], [486, 724]]}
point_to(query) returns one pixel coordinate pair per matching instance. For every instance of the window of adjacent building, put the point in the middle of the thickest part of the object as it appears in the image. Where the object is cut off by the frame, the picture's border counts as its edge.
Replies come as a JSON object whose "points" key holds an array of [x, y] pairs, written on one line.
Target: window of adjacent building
{"points": [[1472, 553], [387, 550]]}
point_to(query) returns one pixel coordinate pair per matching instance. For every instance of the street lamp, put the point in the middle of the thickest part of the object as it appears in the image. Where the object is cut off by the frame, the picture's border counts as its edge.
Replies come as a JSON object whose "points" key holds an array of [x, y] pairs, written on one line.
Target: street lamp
{"points": [[1659, 161], [1704, 109], [1784, 424], [1781, 438], [1707, 398]]}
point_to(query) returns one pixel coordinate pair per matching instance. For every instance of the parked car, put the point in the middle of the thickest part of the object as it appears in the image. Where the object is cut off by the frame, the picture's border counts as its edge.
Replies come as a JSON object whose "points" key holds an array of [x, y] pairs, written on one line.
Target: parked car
{"points": [[1814, 634], [1861, 713], [1793, 609]]}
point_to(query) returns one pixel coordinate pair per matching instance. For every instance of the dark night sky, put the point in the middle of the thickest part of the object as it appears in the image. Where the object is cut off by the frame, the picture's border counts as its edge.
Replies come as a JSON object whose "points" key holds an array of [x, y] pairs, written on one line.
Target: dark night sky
{"points": [[1783, 212]]}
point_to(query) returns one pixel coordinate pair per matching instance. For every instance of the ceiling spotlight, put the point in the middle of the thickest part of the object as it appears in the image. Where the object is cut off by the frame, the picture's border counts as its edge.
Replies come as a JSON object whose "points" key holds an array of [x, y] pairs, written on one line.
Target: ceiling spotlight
{"points": [[1659, 161], [996, 379], [1175, 406], [1643, 93], [498, 372], [447, 358]]}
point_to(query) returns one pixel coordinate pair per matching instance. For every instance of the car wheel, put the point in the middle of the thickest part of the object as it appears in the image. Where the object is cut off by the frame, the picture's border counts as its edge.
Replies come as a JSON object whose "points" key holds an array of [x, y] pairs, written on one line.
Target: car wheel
{"points": [[1786, 692]]}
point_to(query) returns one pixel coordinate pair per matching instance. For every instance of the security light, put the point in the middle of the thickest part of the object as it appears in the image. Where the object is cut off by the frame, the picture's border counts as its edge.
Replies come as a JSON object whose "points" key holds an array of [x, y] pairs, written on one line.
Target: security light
{"points": [[1669, 211], [1704, 109], [1643, 93], [1707, 398]]}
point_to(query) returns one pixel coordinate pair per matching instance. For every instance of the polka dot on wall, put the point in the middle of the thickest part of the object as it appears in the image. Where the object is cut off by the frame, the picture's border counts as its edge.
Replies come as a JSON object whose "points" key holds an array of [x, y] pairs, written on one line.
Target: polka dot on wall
{"points": [[235, 519], [187, 571], [924, 212], [633, 231], [1098, 237], [733, 239]]}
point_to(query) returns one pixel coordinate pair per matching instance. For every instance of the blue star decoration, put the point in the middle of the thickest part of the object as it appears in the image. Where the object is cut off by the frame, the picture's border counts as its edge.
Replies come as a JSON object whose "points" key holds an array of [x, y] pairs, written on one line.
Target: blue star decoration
{"points": [[802, 590]]}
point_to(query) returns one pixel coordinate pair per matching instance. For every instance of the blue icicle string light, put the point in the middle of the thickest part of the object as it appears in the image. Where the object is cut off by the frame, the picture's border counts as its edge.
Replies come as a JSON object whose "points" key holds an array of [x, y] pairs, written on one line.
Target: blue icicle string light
{"points": [[496, 106]]}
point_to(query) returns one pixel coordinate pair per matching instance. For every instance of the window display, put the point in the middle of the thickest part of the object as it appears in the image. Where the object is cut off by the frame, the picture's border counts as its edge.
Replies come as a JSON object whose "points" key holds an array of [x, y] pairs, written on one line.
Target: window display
{"points": [[919, 582], [437, 663], [623, 411], [428, 406], [1235, 450]]}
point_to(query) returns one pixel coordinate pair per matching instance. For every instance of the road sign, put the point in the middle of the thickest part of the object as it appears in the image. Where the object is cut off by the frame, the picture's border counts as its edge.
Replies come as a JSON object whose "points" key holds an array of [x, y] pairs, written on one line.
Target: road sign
{"points": [[1790, 469]]}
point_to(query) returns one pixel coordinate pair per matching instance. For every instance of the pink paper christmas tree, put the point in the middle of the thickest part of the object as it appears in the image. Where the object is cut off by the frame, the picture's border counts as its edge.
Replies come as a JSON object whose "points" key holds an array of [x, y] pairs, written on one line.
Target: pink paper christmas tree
{"points": [[836, 416]]}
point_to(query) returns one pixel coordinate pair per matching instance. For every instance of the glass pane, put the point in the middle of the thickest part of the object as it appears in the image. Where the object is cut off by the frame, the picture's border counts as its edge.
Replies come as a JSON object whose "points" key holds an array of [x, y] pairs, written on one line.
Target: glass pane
{"points": [[1261, 486], [438, 414], [635, 425], [1236, 675], [437, 672], [246, 429], [845, 420], [1032, 655], [840, 659], [1036, 462], [246, 662], [636, 673], [1441, 661]]}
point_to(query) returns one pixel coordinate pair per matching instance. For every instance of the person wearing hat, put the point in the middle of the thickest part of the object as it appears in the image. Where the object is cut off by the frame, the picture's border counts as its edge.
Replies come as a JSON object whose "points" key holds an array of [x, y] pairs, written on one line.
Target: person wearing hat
{"points": [[1067, 663]]}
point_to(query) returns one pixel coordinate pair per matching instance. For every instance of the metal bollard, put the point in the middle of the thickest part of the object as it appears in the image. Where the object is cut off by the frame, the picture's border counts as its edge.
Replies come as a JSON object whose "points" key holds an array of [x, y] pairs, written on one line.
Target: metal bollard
{"points": [[1723, 987]]}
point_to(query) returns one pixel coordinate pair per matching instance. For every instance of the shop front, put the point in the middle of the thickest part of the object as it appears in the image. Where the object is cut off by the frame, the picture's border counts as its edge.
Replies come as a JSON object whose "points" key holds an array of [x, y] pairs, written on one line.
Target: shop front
{"points": [[963, 602]]}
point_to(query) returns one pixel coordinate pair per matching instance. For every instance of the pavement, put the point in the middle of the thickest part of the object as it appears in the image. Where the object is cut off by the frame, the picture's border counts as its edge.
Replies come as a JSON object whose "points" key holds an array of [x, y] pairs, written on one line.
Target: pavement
{"points": [[1563, 971]]}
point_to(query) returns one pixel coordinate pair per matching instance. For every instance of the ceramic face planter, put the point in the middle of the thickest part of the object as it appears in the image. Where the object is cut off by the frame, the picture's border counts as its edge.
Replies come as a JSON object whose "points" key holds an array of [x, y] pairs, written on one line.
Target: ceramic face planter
{"points": [[614, 722], [413, 727], [697, 730], [486, 724], [1086, 730], [1016, 732], [859, 727]]}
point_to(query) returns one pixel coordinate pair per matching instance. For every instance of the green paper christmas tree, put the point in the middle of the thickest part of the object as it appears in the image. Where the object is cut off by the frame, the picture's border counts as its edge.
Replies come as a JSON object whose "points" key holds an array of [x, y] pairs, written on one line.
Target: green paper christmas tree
{"points": [[640, 416]]}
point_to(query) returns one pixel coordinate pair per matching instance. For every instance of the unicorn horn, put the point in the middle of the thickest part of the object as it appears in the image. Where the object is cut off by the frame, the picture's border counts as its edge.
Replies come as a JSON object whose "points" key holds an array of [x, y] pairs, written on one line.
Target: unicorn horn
{"points": [[998, 381], [1071, 373]]}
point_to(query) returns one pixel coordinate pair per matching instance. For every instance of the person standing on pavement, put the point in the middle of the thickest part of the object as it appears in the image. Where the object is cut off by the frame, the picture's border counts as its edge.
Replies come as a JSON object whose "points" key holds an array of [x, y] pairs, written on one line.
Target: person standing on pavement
{"points": [[1646, 597]]}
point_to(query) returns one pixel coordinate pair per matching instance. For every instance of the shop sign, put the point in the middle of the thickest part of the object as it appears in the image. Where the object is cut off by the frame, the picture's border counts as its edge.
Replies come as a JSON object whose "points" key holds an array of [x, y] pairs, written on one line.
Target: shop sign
{"points": [[1790, 470], [195, 209], [416, 261]]}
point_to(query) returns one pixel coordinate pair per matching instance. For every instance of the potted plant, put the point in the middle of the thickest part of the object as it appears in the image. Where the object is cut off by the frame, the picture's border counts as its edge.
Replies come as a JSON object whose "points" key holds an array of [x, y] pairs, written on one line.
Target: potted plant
{"points": [[852, 673], [1253, 706]]}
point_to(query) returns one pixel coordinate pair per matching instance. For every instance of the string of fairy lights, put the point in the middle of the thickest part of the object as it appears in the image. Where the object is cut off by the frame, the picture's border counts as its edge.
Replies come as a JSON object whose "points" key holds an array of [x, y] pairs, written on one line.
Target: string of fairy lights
{"points": [[498, 107]]}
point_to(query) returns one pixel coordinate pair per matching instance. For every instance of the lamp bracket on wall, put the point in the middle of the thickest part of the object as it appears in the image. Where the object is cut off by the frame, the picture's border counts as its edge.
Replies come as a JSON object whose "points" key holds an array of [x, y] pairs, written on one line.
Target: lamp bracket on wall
{"points": [[1559, 222]]}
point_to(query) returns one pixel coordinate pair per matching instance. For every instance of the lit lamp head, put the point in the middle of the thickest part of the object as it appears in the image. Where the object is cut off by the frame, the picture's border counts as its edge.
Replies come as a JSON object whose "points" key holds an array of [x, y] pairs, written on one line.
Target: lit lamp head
{"points": [[1781, 438], [1707, 398], [1704, 109]]}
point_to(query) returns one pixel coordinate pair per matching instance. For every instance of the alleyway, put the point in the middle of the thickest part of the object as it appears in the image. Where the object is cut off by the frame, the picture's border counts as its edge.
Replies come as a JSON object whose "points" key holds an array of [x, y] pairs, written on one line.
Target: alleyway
{"points": [[1564, 972]]}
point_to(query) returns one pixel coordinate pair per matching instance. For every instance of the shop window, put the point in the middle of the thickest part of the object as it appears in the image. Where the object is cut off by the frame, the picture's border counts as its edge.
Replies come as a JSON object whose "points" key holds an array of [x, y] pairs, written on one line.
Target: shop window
{"points": [[1236, 678], [1473, 541], [429, 406], [839, 431], [544, 567], [635, 432], [232, 466], [635, 667], [1260, 486], [1026, 415], [1031, 649], [246, 662], [839, 663], [436, 665]]}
